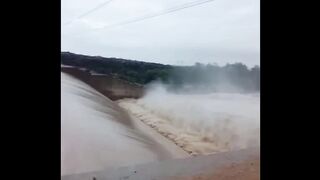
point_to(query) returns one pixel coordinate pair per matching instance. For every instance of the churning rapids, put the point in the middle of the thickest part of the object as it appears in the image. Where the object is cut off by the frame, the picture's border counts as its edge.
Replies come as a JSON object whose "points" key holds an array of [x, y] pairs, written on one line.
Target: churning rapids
{"points": [[97, 133], [200, 123]]}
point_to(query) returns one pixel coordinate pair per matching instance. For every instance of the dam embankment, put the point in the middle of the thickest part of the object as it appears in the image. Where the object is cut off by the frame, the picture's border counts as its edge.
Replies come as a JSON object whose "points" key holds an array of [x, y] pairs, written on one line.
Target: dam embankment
{"points": [[108, 85]]}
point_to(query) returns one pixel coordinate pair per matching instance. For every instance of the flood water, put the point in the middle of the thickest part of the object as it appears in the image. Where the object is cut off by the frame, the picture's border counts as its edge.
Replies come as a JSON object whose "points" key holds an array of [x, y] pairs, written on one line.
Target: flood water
{"points": [[201, 123]]}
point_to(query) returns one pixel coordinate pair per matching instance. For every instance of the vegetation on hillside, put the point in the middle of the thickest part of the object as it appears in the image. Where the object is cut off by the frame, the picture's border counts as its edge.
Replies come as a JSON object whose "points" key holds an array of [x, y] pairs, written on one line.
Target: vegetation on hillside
{"points": [[199, 76]]}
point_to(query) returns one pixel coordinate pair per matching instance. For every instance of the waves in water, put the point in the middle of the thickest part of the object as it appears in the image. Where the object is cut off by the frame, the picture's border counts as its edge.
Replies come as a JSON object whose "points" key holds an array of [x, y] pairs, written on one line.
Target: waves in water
{"points": [[201, 124]]}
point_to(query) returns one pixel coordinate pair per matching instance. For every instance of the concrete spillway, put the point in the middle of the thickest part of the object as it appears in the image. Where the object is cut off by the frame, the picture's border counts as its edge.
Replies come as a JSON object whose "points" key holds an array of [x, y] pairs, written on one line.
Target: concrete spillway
{"points": [[97, 134]]}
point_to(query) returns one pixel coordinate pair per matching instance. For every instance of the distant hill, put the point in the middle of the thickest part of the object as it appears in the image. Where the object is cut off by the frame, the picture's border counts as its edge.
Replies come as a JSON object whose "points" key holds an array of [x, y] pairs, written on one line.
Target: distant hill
{"points": [[135, 71], [231, 77]]}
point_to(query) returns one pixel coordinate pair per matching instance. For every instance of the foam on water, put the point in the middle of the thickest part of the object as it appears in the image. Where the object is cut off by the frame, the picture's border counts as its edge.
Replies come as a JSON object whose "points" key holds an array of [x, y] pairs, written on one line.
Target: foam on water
{"points": [[201, 124]]}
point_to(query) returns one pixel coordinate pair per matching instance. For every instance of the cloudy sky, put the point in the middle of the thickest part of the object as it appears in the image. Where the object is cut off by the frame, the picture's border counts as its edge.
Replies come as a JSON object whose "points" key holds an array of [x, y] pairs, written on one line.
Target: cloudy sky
{"points": [[220, 31]]}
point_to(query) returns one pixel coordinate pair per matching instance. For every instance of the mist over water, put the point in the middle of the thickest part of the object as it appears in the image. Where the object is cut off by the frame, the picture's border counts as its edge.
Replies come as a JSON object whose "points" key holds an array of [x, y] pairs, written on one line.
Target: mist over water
{"points": [[228, 120]]}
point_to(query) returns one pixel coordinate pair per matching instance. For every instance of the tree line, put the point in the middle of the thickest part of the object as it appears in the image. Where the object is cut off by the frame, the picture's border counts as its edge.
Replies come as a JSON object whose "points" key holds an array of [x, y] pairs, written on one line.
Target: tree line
{"points": [[199, 76]]}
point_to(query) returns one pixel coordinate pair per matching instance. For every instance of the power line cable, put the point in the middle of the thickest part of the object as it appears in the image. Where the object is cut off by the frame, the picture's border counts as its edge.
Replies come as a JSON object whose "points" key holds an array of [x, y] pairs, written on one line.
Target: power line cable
{"points": [[89, 12], [152, 15]]}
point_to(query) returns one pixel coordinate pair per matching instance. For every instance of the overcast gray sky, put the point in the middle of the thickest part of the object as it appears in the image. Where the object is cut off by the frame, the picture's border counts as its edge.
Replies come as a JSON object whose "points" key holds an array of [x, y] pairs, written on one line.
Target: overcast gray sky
{"points": [[221, 31]]}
